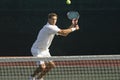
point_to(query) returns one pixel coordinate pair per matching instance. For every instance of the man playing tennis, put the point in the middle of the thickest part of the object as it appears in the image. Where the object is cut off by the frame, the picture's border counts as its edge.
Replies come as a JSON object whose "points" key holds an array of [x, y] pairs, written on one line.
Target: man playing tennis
{"points": [[41, 46]]}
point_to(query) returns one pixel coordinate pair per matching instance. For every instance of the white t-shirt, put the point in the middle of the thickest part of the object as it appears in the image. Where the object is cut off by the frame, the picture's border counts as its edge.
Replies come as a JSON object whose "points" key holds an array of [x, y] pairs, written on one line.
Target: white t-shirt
{"points": [[45, 37]]}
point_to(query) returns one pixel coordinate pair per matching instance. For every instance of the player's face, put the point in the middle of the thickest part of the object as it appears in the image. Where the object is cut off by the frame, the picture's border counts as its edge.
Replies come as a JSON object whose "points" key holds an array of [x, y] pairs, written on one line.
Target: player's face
{"points": [[52, 20]]}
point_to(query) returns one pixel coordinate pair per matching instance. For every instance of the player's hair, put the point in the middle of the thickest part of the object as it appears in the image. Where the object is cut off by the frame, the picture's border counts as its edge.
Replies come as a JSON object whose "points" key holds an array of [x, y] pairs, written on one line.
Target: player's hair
{"points": [[50, 15]]}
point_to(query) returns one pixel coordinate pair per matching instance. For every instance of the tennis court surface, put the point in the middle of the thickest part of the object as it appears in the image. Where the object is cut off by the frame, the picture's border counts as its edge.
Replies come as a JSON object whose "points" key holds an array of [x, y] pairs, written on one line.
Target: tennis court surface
{"points": [[92, 67]]}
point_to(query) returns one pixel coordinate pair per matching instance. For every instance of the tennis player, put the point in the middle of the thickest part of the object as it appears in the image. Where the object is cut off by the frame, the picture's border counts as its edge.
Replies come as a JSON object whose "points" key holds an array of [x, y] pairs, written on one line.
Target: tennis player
{"points": [[40, 48]]}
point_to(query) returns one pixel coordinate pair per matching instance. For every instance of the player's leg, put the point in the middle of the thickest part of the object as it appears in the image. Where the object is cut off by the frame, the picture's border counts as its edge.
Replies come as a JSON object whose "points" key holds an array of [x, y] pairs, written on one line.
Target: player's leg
{"points": [[49, 66], [39, 69], [40, 64]]}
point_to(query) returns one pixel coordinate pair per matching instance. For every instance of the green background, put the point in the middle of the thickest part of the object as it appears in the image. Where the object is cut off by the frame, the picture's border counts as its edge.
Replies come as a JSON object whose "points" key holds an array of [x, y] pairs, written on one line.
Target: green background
{"points": [[21, 20]]}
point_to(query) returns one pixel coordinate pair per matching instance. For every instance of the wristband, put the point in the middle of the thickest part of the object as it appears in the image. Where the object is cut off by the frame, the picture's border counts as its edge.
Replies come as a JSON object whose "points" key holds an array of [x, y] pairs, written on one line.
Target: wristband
{"points": [[73, 29]]}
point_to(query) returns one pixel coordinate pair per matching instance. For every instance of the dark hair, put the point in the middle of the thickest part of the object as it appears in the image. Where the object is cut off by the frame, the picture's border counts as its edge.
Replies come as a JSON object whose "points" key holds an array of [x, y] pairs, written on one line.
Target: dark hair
{"points": [[50, 15]]}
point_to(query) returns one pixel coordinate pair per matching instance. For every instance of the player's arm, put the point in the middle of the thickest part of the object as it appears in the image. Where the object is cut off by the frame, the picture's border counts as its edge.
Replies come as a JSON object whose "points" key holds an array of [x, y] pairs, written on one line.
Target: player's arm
{"points": [[65, 32], [73, 27]]}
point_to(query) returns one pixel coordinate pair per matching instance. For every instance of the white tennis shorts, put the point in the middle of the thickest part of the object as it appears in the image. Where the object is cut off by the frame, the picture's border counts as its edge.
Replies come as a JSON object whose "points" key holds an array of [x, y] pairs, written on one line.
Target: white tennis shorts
{"points": [[40, 53]]}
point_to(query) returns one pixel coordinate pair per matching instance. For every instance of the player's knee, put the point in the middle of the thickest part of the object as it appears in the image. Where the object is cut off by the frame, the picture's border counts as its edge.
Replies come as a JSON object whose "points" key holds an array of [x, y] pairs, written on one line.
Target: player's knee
{"points": [[42, 67], [52, 65]]}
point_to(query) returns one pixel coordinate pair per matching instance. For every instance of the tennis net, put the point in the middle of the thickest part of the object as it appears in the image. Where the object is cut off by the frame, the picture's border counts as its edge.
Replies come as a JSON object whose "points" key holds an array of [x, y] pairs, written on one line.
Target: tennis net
{"points": [[92, 67]]}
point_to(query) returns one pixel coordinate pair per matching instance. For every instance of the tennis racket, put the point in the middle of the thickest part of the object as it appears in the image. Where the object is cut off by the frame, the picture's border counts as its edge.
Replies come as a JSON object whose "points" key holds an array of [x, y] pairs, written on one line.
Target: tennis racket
{"points": [[73, 15]]}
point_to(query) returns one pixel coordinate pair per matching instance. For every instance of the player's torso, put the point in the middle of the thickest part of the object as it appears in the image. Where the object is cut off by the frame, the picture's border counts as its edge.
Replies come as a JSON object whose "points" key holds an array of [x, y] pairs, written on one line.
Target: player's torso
{"points": [[44, 38]]}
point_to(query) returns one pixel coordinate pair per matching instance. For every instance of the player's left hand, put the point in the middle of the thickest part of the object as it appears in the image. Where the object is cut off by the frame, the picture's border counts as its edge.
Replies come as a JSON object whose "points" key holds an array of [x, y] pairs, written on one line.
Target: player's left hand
{"points": [[74, 21]]}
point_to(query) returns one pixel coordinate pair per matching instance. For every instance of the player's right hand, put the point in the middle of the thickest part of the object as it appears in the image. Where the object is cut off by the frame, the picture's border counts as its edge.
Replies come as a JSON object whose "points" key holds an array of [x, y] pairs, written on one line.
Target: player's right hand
{"points": [[77, 27]]}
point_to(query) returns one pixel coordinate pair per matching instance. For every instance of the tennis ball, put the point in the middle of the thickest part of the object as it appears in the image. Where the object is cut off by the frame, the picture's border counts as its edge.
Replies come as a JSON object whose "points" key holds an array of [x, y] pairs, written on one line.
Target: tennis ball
{"points": [[68, 2]]}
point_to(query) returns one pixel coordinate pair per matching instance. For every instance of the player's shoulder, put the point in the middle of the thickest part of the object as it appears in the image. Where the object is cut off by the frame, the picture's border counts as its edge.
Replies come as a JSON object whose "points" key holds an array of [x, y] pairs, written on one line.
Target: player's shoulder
{"points": [[48, 26]]}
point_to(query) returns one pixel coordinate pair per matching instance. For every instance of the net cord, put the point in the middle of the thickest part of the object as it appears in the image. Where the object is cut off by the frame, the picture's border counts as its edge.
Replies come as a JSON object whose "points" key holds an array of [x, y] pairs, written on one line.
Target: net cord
{"points": [[60, 58]]}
